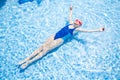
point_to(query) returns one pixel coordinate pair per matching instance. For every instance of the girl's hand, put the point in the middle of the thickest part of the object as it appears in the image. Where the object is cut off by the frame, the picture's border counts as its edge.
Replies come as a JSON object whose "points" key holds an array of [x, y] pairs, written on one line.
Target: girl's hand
{"points": [[101, 29], [71, 7]]}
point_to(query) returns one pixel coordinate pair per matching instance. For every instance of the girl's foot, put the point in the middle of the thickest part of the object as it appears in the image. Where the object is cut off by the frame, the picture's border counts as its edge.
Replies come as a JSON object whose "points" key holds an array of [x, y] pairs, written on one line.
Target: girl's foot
{"points": [[23, 66], [21, 62]]}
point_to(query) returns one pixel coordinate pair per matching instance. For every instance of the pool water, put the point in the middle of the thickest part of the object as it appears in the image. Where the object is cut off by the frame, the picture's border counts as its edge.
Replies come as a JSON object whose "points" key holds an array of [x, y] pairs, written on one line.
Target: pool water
{"points": [[86, 56]]}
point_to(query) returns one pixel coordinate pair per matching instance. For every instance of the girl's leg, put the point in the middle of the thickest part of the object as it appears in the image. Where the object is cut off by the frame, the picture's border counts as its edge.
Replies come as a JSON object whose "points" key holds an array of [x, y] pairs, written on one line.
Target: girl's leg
{"points": [[53, 44], [37, 51], [38, 56], [32, 55], [46, 48], [56, 43]]}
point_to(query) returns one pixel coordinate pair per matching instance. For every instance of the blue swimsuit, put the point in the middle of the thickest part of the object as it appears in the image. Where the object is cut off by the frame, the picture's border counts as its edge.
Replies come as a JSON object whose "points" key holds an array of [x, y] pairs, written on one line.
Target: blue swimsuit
{"points": [[64, 31]]}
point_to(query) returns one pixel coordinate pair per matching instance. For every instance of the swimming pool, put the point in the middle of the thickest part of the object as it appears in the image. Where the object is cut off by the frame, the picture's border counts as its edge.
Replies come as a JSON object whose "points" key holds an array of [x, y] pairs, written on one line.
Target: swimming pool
{"points": [[86, 56]]}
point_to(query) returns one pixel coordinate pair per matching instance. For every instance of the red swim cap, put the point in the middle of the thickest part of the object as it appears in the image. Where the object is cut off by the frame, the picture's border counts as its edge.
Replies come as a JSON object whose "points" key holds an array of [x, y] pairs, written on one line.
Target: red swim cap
{"points": [[79, 22]]}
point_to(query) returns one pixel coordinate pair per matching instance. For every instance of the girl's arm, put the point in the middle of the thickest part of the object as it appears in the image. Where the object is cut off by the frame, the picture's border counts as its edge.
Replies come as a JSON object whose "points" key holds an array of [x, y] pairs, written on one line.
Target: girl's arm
{"points": [[97, 30], [70, 16]]}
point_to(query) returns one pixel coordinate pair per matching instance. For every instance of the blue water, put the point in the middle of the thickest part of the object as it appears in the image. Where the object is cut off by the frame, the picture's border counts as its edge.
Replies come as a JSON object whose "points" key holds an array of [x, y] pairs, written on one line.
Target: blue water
{"points": [[2, 3], [86, 56], [24, 1]]}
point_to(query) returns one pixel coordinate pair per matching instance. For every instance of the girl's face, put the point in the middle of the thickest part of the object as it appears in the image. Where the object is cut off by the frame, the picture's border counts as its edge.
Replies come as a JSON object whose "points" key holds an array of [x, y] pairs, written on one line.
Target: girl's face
{"points": [[77, 23]]}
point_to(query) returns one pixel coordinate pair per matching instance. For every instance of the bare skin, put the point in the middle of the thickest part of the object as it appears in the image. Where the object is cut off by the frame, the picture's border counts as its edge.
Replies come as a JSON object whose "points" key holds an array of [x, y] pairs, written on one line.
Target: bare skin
{"points": [[50, 44], [40, 52]]}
